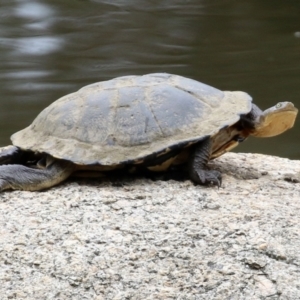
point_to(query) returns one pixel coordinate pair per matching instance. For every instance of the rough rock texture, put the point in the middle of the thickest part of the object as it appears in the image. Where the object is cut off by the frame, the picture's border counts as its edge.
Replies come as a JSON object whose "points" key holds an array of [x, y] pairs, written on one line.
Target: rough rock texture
{"points": [[144, 239]]}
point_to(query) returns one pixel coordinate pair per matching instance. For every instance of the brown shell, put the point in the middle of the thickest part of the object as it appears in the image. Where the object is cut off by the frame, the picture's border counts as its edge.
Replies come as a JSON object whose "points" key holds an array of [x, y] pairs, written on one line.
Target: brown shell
{"points": [[130, 118]]}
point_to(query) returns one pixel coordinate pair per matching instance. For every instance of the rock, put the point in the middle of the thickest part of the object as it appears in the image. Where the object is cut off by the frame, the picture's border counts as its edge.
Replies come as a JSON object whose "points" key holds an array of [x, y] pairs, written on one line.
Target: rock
{"points": [[144, 239]]}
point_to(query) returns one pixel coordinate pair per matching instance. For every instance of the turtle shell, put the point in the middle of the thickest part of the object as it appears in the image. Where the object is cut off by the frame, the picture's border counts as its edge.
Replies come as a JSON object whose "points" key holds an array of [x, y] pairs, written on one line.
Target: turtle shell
{"points": [[131, 118]]}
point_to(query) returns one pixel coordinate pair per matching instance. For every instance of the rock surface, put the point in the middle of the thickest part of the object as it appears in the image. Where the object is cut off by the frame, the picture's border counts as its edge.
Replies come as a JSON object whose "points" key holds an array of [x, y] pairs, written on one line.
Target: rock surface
{"points": [[144, 239]]}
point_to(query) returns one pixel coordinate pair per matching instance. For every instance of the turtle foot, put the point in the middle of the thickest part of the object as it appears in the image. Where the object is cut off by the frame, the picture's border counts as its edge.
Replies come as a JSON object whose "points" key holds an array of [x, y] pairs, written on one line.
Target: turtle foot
{"points": [[208, 177], [10, 155]]}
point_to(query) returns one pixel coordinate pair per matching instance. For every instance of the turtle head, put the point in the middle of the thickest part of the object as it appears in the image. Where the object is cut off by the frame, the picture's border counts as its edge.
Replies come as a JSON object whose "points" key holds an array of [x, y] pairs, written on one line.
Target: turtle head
{"points": [[275, 120]]}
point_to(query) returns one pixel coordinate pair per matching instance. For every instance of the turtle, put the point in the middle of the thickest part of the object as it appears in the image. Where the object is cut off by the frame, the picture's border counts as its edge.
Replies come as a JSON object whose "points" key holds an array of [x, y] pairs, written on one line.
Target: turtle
{"points": [[152, 122]]}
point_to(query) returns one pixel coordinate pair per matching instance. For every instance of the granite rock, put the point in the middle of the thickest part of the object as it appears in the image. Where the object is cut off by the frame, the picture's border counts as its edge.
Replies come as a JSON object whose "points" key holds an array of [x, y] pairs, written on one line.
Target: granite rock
{"points": [[143, 239]]}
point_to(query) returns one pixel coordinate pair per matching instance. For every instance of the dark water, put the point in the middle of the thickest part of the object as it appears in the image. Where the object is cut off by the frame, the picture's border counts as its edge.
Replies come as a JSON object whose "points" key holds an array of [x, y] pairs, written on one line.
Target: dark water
{"points": [[51, 48]]}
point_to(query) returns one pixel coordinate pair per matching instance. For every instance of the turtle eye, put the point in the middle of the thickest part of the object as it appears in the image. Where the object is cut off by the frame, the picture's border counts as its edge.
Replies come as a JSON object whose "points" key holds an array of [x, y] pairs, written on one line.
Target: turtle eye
{"points": [[278, 105]]}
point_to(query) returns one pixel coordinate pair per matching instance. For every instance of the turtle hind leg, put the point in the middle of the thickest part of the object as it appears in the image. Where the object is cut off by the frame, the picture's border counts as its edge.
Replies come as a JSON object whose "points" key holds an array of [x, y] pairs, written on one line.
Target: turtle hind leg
{"points": [[19, 177], [10, 155], [197, 165]]}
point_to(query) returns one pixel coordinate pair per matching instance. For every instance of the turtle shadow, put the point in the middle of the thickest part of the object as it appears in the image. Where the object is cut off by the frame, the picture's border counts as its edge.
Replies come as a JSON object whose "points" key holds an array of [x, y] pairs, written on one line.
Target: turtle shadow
{"points": [[237, 171], [118, 178]]}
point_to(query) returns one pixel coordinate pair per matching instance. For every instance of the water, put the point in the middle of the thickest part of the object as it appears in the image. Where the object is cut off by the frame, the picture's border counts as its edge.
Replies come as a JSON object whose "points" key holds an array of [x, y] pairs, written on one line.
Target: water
{"points": [[51, 48]]}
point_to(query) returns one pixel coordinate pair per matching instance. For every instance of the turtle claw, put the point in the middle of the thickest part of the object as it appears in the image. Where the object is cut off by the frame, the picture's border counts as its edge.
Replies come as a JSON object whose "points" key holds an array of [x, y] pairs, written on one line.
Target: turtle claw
{"points": [[210, 177], [217, 178]]}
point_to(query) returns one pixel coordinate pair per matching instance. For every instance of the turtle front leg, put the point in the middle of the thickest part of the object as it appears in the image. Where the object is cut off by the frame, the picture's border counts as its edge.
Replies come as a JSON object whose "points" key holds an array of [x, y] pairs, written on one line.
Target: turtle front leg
{"points": [[19, 177], [197, 165]]}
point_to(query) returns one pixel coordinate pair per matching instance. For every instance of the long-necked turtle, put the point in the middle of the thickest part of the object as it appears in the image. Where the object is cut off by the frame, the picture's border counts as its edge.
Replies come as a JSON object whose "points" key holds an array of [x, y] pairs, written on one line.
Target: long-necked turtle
{"points": [[151, 121]]}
